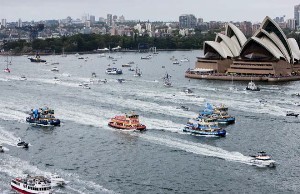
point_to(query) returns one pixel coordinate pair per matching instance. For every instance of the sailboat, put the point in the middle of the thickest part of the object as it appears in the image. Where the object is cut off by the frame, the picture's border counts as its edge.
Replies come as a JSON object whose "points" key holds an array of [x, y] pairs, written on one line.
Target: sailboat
{"points": [[7, 70], [167, 80], [138, 72]]}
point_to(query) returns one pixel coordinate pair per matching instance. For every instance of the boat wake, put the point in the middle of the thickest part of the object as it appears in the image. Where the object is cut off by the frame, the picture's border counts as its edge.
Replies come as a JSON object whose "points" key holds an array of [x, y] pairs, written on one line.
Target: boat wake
{"points": [[15, 167], [201, 149]]}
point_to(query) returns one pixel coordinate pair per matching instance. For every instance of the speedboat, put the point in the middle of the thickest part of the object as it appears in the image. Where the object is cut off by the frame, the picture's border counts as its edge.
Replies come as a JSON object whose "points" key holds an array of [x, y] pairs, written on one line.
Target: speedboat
{"points": [[43, 117], [126, 65], [113, 71], [262, 159], [188, 92], [22, 144], [175, 62], [56, 180], [6, 70], [23, 78], [184, 60], [184, 108], [127, 122], [54, 69], [291, 113], [251, 86], [1, 149], [31, 185], [85, 85], [121, 80]]}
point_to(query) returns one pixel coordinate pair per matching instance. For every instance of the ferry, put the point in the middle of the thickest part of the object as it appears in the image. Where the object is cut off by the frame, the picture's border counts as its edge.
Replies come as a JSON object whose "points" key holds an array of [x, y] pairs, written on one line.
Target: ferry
{"points": [[204, 128], [43, 117], [37, 59], [127, 122], [113, 71], [31, 185]]}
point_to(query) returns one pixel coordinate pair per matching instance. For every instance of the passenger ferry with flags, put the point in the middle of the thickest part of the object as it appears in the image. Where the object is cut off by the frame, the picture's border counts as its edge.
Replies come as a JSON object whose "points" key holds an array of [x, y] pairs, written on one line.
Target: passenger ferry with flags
{"points": [[204, 128], [32, 185], [127, 122], [43, 117]]}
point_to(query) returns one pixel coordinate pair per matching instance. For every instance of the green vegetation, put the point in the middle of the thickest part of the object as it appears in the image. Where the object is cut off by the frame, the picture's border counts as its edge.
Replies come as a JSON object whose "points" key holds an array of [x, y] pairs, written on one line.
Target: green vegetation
{"points": [[91, 42]]}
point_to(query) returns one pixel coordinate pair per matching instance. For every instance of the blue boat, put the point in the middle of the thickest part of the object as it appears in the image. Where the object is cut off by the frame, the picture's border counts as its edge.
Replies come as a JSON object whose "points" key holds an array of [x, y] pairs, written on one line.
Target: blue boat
{"points": [[42, 117], [219, 114], [205, 129]]}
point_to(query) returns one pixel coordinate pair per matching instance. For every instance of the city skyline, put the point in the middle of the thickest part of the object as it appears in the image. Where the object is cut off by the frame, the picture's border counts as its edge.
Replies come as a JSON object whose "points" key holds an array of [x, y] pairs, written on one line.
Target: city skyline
{"points": [[152, 10]]}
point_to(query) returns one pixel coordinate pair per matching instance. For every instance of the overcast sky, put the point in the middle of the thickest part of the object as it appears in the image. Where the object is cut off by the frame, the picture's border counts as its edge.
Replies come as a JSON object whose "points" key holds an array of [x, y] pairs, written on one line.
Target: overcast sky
{"points": [[152, 10]]}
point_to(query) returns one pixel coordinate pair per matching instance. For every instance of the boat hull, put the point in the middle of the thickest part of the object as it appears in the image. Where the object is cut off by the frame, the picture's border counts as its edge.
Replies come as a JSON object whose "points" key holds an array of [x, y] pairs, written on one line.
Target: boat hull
{"points": [[219, 133], [139, 128], [27, 192], [52, 122], [37, 60]]}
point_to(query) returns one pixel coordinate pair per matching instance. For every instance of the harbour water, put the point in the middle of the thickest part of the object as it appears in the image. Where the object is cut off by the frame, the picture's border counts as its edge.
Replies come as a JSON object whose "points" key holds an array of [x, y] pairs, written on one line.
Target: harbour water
{"points": [[95, 158]]}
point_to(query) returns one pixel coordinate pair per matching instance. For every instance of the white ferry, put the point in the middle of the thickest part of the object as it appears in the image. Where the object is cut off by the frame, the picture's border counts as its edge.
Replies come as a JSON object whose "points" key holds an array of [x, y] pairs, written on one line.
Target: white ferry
{"points": [[31, 185]]}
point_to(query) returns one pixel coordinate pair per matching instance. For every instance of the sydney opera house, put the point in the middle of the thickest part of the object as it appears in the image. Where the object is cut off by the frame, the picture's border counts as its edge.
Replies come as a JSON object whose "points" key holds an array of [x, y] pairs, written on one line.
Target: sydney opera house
{"points": [[267, 56]]}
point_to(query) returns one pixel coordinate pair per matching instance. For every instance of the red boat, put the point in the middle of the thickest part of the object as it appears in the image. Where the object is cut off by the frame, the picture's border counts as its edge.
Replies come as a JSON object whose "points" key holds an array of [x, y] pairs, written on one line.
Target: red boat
{"points": [[127, 122]]}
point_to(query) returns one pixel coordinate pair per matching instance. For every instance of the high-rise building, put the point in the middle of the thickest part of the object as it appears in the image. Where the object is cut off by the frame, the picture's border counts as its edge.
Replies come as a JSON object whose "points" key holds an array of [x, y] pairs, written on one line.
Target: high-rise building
{"points": [[115, 18], [121, 19], [109, 20], [296, 14], [3, 23], [92, 19], [291, 24], [20, 23], [187, 21]]}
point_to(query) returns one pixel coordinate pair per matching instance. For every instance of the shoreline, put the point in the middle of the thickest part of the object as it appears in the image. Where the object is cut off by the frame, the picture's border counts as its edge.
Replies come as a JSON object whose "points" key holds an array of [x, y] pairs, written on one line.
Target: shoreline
{"points": [[243, 78], [93, 52]]}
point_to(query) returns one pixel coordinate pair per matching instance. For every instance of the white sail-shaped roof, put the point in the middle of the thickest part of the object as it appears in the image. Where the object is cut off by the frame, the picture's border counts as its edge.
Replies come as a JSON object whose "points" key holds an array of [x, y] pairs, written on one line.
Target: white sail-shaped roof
{"points": [[265, 43], [232, 30], [232, 45], [295, 48], [274, 38], [222, 49], [271, 26]]}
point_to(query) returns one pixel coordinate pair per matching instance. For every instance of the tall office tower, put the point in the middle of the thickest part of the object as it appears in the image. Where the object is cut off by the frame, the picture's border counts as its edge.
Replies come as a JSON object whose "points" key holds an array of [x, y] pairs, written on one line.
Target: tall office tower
{"points": [[121, 19], [296, 14], [109, 20], [187, 21], [115, 18], [92, 19], [291, 24], [20, 23], [3, 23]]}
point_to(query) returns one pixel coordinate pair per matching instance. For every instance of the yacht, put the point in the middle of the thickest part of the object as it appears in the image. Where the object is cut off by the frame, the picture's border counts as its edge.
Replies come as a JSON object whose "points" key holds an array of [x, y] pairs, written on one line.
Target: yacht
{"points": [[113, 71], [56, 180], [54, 69], [31, 185], [262, 159]]}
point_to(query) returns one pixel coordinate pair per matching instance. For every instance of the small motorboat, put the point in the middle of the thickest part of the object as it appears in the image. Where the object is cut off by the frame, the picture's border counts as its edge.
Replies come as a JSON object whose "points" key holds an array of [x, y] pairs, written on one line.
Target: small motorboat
{"points": [[252, 87], [56, 180], [121, 80], [23, 78], [22, 144], [292, 114], [85, 85], [1, 149], [185, 108], [126, 65], [262, 159], [6, 70], [94, 75], [55, 69]]}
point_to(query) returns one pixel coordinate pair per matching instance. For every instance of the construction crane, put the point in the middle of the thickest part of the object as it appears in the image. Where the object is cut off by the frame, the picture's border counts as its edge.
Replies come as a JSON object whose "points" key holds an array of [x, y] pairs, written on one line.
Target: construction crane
{"points": [[33, 30]]}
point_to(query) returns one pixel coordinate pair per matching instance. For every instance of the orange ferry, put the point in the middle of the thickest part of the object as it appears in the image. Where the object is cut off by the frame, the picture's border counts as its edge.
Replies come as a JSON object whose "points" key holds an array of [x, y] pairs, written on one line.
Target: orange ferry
{"points": [[127, 122]]}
